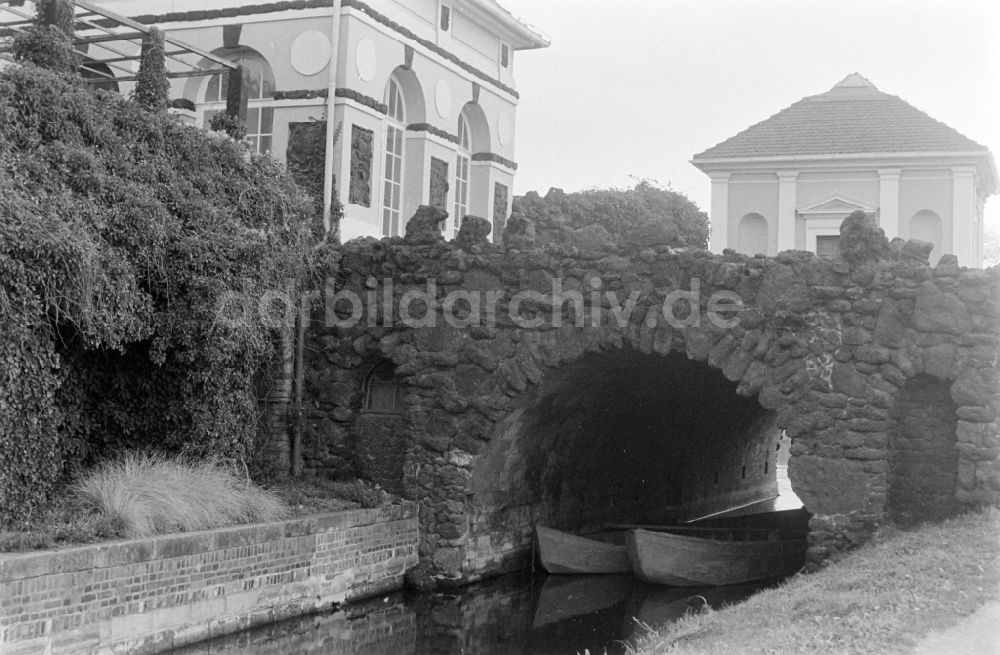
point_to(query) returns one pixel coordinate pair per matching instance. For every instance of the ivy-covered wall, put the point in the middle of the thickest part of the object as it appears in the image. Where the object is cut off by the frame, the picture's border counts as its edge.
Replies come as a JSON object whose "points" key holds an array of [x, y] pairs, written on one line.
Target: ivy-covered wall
{"points": [[123, 235]]}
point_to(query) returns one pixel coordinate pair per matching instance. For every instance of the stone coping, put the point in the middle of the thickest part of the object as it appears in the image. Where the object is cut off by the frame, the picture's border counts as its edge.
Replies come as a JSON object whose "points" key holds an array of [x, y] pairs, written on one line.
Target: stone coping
{"points": [[69, 559]]}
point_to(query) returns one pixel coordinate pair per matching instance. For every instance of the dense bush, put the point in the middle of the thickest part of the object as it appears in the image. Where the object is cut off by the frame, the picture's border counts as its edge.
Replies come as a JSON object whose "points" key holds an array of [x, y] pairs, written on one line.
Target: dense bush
{"points": [[621, 212], [49, 44], [121, 231]]}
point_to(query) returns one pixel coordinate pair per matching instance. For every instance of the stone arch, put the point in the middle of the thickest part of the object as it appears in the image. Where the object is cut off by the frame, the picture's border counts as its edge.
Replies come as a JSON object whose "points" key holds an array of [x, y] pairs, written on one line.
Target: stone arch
{"points": [[752, 235], [926, 225], [502, 467], [479, 126], [195, 88], [627, 436], [924, 476], [413, 94], [210, 93]]}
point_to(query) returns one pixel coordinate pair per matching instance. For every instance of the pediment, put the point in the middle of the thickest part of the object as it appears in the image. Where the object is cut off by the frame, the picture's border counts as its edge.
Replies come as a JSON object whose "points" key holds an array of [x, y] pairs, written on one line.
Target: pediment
{"points": [[836, 204]]}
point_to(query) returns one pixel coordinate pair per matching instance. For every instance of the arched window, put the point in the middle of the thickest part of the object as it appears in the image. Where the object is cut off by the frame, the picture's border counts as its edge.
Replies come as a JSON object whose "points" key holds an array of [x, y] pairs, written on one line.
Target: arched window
{"points": [[462, 172], [260, 94], [752, 236], [383, 393], [393, 188], [98, 75], [926, 226]]}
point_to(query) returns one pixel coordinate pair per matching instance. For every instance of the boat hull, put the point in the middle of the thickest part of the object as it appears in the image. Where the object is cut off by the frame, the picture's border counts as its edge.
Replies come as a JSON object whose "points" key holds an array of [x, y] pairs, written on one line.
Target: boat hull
{"points": [[688, 561], [561, 552]]}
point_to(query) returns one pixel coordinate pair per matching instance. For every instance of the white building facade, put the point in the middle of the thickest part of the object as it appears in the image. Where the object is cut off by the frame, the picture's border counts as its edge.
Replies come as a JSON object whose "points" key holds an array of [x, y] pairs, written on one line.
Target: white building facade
{"points": [[417, 95], [788, 182]]}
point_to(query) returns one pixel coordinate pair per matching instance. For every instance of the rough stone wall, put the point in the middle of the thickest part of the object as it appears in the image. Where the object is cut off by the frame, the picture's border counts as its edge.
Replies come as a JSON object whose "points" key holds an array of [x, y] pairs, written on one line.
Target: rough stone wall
{"points": [[149, 595], [824, 345]]}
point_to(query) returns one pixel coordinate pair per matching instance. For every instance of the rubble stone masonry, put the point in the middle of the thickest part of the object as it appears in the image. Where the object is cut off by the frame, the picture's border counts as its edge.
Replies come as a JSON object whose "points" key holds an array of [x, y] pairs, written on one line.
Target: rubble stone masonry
{"points": [[502, 426]]}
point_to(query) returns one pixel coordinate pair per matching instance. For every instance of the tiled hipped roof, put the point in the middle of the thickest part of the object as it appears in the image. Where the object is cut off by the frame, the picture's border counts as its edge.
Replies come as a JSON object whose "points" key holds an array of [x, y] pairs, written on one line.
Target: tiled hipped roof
{"points": [[852, 117]]}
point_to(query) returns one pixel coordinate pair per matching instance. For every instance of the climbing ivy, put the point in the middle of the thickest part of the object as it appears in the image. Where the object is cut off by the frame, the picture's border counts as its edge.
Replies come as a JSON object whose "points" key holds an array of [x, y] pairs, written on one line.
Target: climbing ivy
{"points": [[121, 233]]}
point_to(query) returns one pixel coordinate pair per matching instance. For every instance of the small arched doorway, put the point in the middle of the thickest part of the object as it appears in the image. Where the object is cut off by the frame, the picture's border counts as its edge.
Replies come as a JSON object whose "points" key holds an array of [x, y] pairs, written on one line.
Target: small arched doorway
{"points": [[381, 447], [752, 234], [926, 226], [924, 473]]}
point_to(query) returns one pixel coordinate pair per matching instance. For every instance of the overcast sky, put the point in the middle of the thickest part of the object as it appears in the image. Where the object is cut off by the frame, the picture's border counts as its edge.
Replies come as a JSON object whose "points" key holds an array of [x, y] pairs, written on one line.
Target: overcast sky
{"points": [[636, 87]]}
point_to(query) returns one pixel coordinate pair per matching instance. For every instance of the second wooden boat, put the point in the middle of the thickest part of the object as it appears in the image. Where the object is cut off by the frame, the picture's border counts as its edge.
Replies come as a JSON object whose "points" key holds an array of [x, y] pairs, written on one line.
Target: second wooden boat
{"points": [[601, 552], [693, 559]]}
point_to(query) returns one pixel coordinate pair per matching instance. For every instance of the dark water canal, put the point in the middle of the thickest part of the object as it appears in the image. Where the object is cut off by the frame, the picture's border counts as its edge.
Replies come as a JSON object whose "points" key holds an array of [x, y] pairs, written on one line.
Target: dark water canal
{"points": [[517, 614]]}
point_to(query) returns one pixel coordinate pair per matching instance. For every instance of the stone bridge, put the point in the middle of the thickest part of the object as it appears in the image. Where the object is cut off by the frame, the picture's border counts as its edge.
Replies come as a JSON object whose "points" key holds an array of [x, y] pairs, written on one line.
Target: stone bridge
{"points": [[572, 384]]}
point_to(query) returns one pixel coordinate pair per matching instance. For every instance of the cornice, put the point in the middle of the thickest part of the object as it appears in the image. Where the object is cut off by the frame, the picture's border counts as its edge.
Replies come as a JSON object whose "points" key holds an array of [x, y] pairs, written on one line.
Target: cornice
{"points": [[495, 158], [433, 47], [982, 159], [340, 92], [430, 129], [275, 7]]}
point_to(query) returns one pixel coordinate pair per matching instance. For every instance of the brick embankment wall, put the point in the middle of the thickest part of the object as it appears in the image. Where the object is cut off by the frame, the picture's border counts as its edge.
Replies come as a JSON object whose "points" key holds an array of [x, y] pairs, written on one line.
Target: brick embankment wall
{"points": [[149, 595]]}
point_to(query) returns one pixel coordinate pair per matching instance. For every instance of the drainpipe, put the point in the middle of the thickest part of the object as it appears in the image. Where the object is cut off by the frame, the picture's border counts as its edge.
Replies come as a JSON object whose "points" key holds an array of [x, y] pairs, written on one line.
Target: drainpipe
{"points": [[332, 231]]}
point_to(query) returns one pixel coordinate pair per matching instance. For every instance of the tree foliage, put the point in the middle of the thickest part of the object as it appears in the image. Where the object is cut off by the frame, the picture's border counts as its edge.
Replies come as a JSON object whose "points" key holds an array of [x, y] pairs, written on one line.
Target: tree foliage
{"points": [[122, 231], [991, 248], [621, 212]]}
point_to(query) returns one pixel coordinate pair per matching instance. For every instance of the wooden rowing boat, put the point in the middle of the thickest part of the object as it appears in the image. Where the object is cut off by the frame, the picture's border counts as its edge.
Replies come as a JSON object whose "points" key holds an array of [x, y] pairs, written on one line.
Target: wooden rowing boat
{"points": [[695, 558], [599, 552]]}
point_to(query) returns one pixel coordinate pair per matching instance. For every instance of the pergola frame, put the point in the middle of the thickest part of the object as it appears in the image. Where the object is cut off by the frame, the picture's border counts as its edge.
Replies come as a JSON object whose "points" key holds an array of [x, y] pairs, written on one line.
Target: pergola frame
{"points": [[107, 31]]}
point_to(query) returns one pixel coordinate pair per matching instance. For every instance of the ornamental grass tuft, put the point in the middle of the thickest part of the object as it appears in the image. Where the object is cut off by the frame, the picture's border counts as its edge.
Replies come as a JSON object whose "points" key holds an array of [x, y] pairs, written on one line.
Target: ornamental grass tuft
{"points": [[148, 493]]}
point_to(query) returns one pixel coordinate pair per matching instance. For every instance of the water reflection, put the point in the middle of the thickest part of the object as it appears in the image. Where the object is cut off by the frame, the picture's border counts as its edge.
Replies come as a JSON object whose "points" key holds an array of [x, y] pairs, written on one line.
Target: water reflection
{"points": [[517, 614]]}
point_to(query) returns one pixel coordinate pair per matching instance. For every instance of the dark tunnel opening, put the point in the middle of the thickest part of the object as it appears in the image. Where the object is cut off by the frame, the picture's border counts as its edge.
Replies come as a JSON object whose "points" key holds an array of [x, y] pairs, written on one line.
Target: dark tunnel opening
{"points": [[627, 437]]}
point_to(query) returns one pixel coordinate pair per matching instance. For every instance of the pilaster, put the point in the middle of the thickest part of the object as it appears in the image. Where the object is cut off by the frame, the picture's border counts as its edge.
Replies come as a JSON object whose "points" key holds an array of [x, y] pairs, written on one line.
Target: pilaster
{"points": [[719, 239], [787, 181], [963, 215], [888, 201]]}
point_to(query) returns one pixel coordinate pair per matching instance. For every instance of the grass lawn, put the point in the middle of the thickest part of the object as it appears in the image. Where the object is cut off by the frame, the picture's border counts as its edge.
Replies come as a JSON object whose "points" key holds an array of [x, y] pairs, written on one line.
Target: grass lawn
{"points": [[881, 598]]}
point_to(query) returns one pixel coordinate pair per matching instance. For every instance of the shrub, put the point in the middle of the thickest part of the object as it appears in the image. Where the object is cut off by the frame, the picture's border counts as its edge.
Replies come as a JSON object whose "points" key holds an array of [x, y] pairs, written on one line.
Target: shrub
{"points": [[620, 211], [49, 45], [149, 493], [231, 125], [122, 233]]}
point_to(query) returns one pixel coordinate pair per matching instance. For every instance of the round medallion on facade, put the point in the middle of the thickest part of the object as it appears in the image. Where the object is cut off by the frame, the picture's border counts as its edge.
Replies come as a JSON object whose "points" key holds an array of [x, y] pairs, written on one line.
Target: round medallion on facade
{"points": [[310, 52], [365, 59], [505, 129], [442, 99]]}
